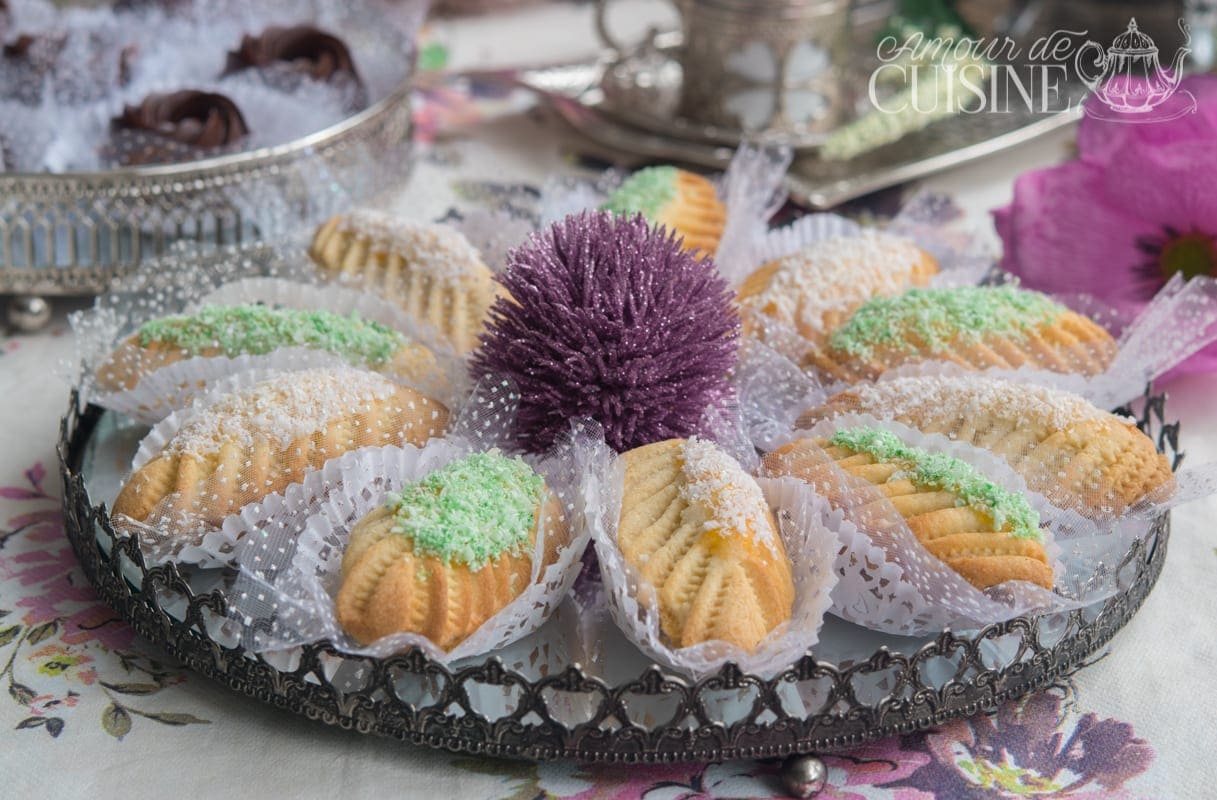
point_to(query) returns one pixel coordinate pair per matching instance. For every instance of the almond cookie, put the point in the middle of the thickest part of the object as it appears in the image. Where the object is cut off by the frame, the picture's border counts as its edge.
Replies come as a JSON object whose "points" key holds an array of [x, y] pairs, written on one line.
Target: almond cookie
{"points": [[257, 441], [813, 291], [255, 330], [982, 531], [428, 269], [697, 529], [1076, 455], [974, 327], [682, 202], [449, 552]]}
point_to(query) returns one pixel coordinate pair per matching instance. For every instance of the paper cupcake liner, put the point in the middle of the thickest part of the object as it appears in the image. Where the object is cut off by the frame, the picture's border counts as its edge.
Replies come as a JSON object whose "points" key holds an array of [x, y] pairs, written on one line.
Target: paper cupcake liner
{"points": [[890, 582], [291, 545], [810, 545], [752, 190]]}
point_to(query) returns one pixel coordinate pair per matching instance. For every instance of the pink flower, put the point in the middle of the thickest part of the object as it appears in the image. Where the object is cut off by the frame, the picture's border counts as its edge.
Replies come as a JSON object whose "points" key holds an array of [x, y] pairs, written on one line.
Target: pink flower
{"points": [[1136, 207]]}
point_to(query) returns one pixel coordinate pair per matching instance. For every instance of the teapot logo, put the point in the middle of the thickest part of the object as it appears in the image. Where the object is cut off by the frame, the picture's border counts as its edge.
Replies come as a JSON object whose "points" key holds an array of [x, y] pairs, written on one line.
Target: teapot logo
{"points": [[1129, 81]]}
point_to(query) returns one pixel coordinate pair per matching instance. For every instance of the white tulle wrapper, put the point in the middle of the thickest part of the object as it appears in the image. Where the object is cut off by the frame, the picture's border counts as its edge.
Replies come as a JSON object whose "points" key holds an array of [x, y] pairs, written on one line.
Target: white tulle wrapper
{"points": [[889, 582], [810, 545], [291, 546], [102, 330], [752, 190]]}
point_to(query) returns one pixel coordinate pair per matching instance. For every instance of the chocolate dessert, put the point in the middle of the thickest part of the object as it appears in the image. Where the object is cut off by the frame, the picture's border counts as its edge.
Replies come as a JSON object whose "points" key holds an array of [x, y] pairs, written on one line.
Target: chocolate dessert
{"points": [[177, 126]]}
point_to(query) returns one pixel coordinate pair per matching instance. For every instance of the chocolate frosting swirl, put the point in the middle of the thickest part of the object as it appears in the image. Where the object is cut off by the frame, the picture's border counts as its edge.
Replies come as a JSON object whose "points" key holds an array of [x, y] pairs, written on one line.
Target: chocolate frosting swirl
{"points": [[320, 55], [201, 119]]}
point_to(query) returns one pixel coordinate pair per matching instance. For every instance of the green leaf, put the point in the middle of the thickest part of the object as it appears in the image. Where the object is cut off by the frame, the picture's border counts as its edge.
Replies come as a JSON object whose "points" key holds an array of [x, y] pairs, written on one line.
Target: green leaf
{"points": [[43, 631], [54, 726], [4, 613], [116, 721], [31, 722], [132, 688], [21, 693], [8, 634], [170, 718]]}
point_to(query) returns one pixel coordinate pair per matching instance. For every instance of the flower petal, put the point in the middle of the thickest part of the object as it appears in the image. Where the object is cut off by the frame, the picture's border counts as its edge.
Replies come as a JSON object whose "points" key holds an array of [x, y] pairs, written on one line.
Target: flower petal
{"points": [[1171, 185], [1100, 139], [1063, 233]]}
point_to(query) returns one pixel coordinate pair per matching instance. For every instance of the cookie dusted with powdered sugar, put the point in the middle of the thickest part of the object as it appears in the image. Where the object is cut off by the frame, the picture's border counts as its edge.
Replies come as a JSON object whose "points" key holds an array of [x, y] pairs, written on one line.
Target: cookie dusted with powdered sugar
{"points": [[697, 529], [428, 269], [1078, 456]]}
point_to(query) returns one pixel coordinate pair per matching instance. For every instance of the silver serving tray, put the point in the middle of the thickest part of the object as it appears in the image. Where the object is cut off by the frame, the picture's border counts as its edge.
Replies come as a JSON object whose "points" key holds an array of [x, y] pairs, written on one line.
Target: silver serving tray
{"points": [[577, 92]]}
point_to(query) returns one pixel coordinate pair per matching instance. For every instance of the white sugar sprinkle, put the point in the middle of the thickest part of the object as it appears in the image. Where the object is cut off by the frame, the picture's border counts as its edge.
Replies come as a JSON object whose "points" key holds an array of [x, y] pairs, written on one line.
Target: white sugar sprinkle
{"points": [[442, 251], [968, 396], [716, 481], [838, 273], [280, 409]]}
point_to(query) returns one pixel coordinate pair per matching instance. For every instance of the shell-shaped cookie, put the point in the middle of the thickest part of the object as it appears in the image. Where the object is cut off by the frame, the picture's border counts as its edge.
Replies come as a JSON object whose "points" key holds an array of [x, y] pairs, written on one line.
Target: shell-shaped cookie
{"points": [[429, 269], [676, 199], [698, 531], [973, 327], [388, 587], [254, 329], [1076, 455], [259, 440], [964, 536], [812, 291]]}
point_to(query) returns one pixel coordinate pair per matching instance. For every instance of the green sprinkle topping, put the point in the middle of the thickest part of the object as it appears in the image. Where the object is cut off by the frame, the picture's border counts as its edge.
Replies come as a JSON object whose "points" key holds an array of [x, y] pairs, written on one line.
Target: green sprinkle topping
{"points": [[945, 473], [646, 192], [938, 316], [256, 329], [471, 511]]}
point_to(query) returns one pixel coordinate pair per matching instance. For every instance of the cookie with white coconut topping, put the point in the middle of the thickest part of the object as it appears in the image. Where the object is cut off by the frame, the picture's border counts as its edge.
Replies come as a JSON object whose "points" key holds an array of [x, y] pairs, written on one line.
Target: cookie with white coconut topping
{"points": [[257, 441], [429, 269], [697, 529]]}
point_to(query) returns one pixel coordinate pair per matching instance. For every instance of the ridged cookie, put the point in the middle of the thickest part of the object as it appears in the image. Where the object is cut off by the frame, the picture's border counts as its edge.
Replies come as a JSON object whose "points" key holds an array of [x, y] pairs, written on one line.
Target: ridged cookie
{"points": [[428, 269], [678, 200], [258, 441], [986, 534], [813, 291], [973, 327], [441, 569], [256, 329], [700, 534], [1075, 454]]}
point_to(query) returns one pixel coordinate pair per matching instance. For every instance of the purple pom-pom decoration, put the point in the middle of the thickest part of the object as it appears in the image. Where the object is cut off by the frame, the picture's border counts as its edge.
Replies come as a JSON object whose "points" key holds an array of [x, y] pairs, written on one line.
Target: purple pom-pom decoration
{"points": [[610, 320]]}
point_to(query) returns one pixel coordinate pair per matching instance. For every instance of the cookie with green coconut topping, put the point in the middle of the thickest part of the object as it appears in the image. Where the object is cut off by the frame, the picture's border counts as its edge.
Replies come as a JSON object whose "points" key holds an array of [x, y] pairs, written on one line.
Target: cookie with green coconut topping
{"points": [[973, 327], [986, 533], [445, 554], [256, 330], [682, 202]]}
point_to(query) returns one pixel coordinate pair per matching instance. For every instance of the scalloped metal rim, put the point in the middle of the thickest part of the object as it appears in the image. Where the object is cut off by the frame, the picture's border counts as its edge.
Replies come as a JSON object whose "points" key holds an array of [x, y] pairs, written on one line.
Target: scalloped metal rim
{"points": [[307, 692]]}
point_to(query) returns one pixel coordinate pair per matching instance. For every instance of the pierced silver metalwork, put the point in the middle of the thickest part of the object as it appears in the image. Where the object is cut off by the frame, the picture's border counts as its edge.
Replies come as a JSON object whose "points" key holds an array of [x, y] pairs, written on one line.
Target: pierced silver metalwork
{"points": [[71, 234], [414, 699]]}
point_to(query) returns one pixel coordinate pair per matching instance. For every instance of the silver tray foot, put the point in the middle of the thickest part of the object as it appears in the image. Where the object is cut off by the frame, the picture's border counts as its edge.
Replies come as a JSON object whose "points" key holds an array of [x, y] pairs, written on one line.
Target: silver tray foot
{"points": [[27, 313], [803, 776]]}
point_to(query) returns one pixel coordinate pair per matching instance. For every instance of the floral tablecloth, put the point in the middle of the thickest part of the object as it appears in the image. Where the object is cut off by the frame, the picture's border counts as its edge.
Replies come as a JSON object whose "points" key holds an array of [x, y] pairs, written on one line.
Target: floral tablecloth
{"points": [[88, 709]]}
